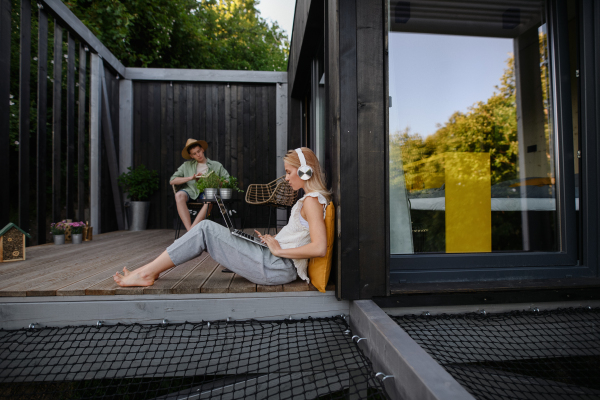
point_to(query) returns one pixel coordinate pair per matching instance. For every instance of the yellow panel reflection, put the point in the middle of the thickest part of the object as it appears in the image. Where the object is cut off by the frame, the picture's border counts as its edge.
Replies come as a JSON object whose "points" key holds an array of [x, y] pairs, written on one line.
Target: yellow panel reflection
{"points": [[468, 203]]}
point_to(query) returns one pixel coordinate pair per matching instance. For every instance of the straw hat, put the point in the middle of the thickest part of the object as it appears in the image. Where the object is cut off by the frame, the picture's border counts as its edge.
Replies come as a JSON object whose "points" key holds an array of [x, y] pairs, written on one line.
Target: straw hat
{"points": [[190, 142]]}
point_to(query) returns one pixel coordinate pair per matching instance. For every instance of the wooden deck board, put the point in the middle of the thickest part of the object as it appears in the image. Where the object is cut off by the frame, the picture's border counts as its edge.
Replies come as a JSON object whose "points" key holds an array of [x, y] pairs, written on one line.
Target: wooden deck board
{"points": [[79, 288], [194, 281], [269, 288], [239, 284], [297, 286], [47, 281], [180, 272], [218, 282], [87, 269]]}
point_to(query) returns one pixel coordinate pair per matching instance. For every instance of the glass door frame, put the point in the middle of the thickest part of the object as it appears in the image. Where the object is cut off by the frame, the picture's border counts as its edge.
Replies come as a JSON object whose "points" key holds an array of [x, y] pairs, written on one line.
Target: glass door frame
{"points": [[565, 263]]}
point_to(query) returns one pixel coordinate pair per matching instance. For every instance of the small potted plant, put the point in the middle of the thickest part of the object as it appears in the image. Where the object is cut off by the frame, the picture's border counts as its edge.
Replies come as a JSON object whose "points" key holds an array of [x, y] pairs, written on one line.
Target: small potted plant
{"points": [[58, 232], [209, 184], [139, 184], [77, 232], [227, 187]]}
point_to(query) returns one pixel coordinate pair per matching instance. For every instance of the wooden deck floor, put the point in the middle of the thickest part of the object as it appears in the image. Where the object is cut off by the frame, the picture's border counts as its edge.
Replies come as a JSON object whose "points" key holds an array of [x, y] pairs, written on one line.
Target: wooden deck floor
{"points": [[86, 270]]}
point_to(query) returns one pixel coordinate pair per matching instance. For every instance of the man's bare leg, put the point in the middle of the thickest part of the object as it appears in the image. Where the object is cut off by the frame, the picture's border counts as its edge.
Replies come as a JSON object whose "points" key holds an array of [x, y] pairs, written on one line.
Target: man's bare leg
{"points": [[201, 215], [182, 209], [146, 275]]}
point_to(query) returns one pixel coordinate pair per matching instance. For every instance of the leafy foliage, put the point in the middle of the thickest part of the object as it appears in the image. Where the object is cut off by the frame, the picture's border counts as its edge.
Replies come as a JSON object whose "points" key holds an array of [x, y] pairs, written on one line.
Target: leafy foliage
{"points": [[231, 183], [139, 183], [489, 127], [208, 181], [211, 34]]}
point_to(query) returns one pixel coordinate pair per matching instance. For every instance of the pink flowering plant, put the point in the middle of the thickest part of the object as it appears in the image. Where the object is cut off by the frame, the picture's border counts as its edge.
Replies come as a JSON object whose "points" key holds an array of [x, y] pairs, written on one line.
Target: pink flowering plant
{"points": [[59, 228], [77, 227]]}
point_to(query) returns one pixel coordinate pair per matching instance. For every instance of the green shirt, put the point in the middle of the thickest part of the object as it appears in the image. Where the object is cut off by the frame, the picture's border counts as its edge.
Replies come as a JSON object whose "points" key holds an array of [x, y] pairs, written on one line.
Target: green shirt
{"points": [[188, 169]]}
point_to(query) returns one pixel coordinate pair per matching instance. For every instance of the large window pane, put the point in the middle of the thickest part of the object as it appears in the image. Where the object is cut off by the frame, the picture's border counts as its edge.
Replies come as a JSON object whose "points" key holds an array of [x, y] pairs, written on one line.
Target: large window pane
{"points": [[472, 142]]}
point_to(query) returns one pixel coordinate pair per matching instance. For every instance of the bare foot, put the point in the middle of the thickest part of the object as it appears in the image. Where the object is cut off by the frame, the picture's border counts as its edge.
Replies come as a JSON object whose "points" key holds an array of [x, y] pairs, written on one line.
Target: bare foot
{"points": [[133, 278]]}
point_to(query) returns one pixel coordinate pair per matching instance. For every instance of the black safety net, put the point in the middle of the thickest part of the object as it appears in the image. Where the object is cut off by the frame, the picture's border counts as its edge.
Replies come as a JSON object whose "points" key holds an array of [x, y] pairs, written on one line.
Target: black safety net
{"points": [[515, 355], [313, 358]]}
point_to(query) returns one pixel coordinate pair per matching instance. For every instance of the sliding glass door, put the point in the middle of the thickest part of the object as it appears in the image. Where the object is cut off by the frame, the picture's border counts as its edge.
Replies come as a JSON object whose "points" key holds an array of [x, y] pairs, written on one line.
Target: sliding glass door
{"points": [[481, 150]]}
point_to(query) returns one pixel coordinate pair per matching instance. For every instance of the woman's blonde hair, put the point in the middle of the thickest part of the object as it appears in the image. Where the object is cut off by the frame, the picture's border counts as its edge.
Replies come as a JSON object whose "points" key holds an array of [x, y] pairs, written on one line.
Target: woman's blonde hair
{"points": [[317, 182]]}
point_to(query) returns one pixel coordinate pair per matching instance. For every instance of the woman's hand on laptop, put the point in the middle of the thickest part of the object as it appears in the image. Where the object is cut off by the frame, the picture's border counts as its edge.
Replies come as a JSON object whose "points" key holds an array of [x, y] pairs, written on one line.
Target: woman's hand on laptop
{"points": [[271, 242]]}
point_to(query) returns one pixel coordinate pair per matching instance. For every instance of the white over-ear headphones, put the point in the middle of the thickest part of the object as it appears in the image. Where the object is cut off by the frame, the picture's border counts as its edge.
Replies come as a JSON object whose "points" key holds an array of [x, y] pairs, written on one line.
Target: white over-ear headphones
{"points": [[304, 171]]}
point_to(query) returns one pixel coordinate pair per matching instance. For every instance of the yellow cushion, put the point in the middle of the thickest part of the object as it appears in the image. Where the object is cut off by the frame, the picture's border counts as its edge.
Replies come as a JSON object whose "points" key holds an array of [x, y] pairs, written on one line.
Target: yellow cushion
{"points": [[319, 268]]}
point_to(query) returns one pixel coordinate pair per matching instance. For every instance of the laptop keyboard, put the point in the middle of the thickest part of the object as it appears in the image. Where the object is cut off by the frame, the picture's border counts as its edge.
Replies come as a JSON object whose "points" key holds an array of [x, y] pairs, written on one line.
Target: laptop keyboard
{"points": [[251, 237], [245, 235]]}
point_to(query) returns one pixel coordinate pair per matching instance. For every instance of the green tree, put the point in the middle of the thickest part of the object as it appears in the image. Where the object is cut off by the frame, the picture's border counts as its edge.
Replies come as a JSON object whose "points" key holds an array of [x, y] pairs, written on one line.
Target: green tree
{"points": [[209, 34], [489, 126]]}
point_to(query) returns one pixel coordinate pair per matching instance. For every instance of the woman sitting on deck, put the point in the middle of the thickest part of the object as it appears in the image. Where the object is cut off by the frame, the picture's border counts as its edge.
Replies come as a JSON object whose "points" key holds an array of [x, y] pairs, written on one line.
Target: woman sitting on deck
{"points": [[302, 238]]}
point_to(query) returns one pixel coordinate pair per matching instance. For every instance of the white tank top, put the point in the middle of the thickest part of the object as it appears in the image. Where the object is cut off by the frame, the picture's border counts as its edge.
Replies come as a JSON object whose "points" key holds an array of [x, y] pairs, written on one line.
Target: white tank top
{"points": [[294, 234]]}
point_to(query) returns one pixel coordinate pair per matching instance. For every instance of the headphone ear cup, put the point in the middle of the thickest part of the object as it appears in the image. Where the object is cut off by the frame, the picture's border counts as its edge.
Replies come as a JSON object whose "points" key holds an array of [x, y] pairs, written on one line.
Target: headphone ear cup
{"points": [[305, 172]]}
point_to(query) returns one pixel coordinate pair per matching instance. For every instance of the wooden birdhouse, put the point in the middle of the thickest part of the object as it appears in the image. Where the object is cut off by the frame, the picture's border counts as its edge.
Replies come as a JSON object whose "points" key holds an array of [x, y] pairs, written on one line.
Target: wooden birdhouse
{"points": [[12, 243]]}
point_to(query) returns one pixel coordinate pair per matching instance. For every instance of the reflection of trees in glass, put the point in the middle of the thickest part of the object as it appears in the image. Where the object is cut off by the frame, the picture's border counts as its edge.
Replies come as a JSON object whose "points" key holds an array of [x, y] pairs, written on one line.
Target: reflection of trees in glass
{"points": [[489, 126]]}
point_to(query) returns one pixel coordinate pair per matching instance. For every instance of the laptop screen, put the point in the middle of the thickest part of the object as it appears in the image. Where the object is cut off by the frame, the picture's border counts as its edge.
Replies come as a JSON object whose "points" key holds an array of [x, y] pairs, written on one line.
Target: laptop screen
{"points": [[224, 211]]}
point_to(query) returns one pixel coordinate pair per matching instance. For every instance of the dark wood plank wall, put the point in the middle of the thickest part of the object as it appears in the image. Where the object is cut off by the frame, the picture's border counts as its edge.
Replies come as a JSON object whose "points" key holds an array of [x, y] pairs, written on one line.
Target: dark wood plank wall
{"points": [[372, 142], [237, 120], [108, 216], [332, 112], [24, 112], [5, 30], [354, 37]]}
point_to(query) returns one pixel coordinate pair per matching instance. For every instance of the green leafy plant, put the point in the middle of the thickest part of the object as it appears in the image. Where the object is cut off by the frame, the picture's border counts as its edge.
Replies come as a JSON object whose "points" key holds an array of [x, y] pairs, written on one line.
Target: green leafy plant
{"points": [[207, 181], [231, 183], [139, 183]]}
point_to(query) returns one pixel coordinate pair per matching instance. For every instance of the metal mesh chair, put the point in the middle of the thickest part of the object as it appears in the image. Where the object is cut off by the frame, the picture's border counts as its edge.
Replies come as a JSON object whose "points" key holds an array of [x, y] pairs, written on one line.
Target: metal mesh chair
{"points": [[275, 194]]}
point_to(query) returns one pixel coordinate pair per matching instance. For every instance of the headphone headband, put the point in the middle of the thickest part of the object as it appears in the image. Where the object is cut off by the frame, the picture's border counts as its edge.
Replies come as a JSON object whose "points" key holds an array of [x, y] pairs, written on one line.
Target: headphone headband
{"points": [[304, 171]]}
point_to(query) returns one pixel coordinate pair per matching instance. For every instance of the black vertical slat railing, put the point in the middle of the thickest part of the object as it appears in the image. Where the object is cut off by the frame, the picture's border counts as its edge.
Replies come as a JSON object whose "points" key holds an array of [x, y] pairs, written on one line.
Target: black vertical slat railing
{"points": [[5, 22], [81, 133], [41, 123], [24, 114], [70, 125], [56, 122]]}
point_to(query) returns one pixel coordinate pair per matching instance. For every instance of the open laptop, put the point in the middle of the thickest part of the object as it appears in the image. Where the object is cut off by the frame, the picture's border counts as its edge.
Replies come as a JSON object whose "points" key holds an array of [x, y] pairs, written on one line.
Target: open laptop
{"points": [[236, 232]]}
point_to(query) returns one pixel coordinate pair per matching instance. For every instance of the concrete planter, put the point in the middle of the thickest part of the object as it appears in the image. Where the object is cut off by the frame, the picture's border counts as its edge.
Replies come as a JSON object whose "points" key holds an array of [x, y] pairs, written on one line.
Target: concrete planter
{"points": [[59, 239], [138, 212], [76, 238], [226, 193], [209, 193]]}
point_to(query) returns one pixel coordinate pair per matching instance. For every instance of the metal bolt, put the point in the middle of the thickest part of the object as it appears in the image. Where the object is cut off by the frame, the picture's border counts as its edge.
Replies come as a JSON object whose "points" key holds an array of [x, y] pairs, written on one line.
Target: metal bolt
{"points": [[347, 332], [426, 314], [359, 338], [99, 324], [208, 324], [482, 312], [535, 309], [32, 325], [382, 377], [165, 321], [290, 318]]}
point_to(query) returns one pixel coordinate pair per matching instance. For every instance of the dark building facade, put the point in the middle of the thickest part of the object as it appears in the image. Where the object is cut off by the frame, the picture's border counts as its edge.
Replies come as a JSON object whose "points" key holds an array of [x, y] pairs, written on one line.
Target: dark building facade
{"points": [[459, 138]]}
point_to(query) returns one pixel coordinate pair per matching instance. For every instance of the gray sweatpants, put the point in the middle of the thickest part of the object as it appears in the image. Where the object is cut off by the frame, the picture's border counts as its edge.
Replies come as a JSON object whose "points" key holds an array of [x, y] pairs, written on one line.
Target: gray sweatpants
{"points": [[253, 262]]}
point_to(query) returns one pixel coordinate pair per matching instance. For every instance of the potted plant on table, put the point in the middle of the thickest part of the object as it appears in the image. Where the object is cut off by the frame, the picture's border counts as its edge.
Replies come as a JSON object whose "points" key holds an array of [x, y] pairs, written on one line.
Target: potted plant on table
{"points": [[139, 184], [209, 183], [228, 186], [77, 232], [58, 232]]}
